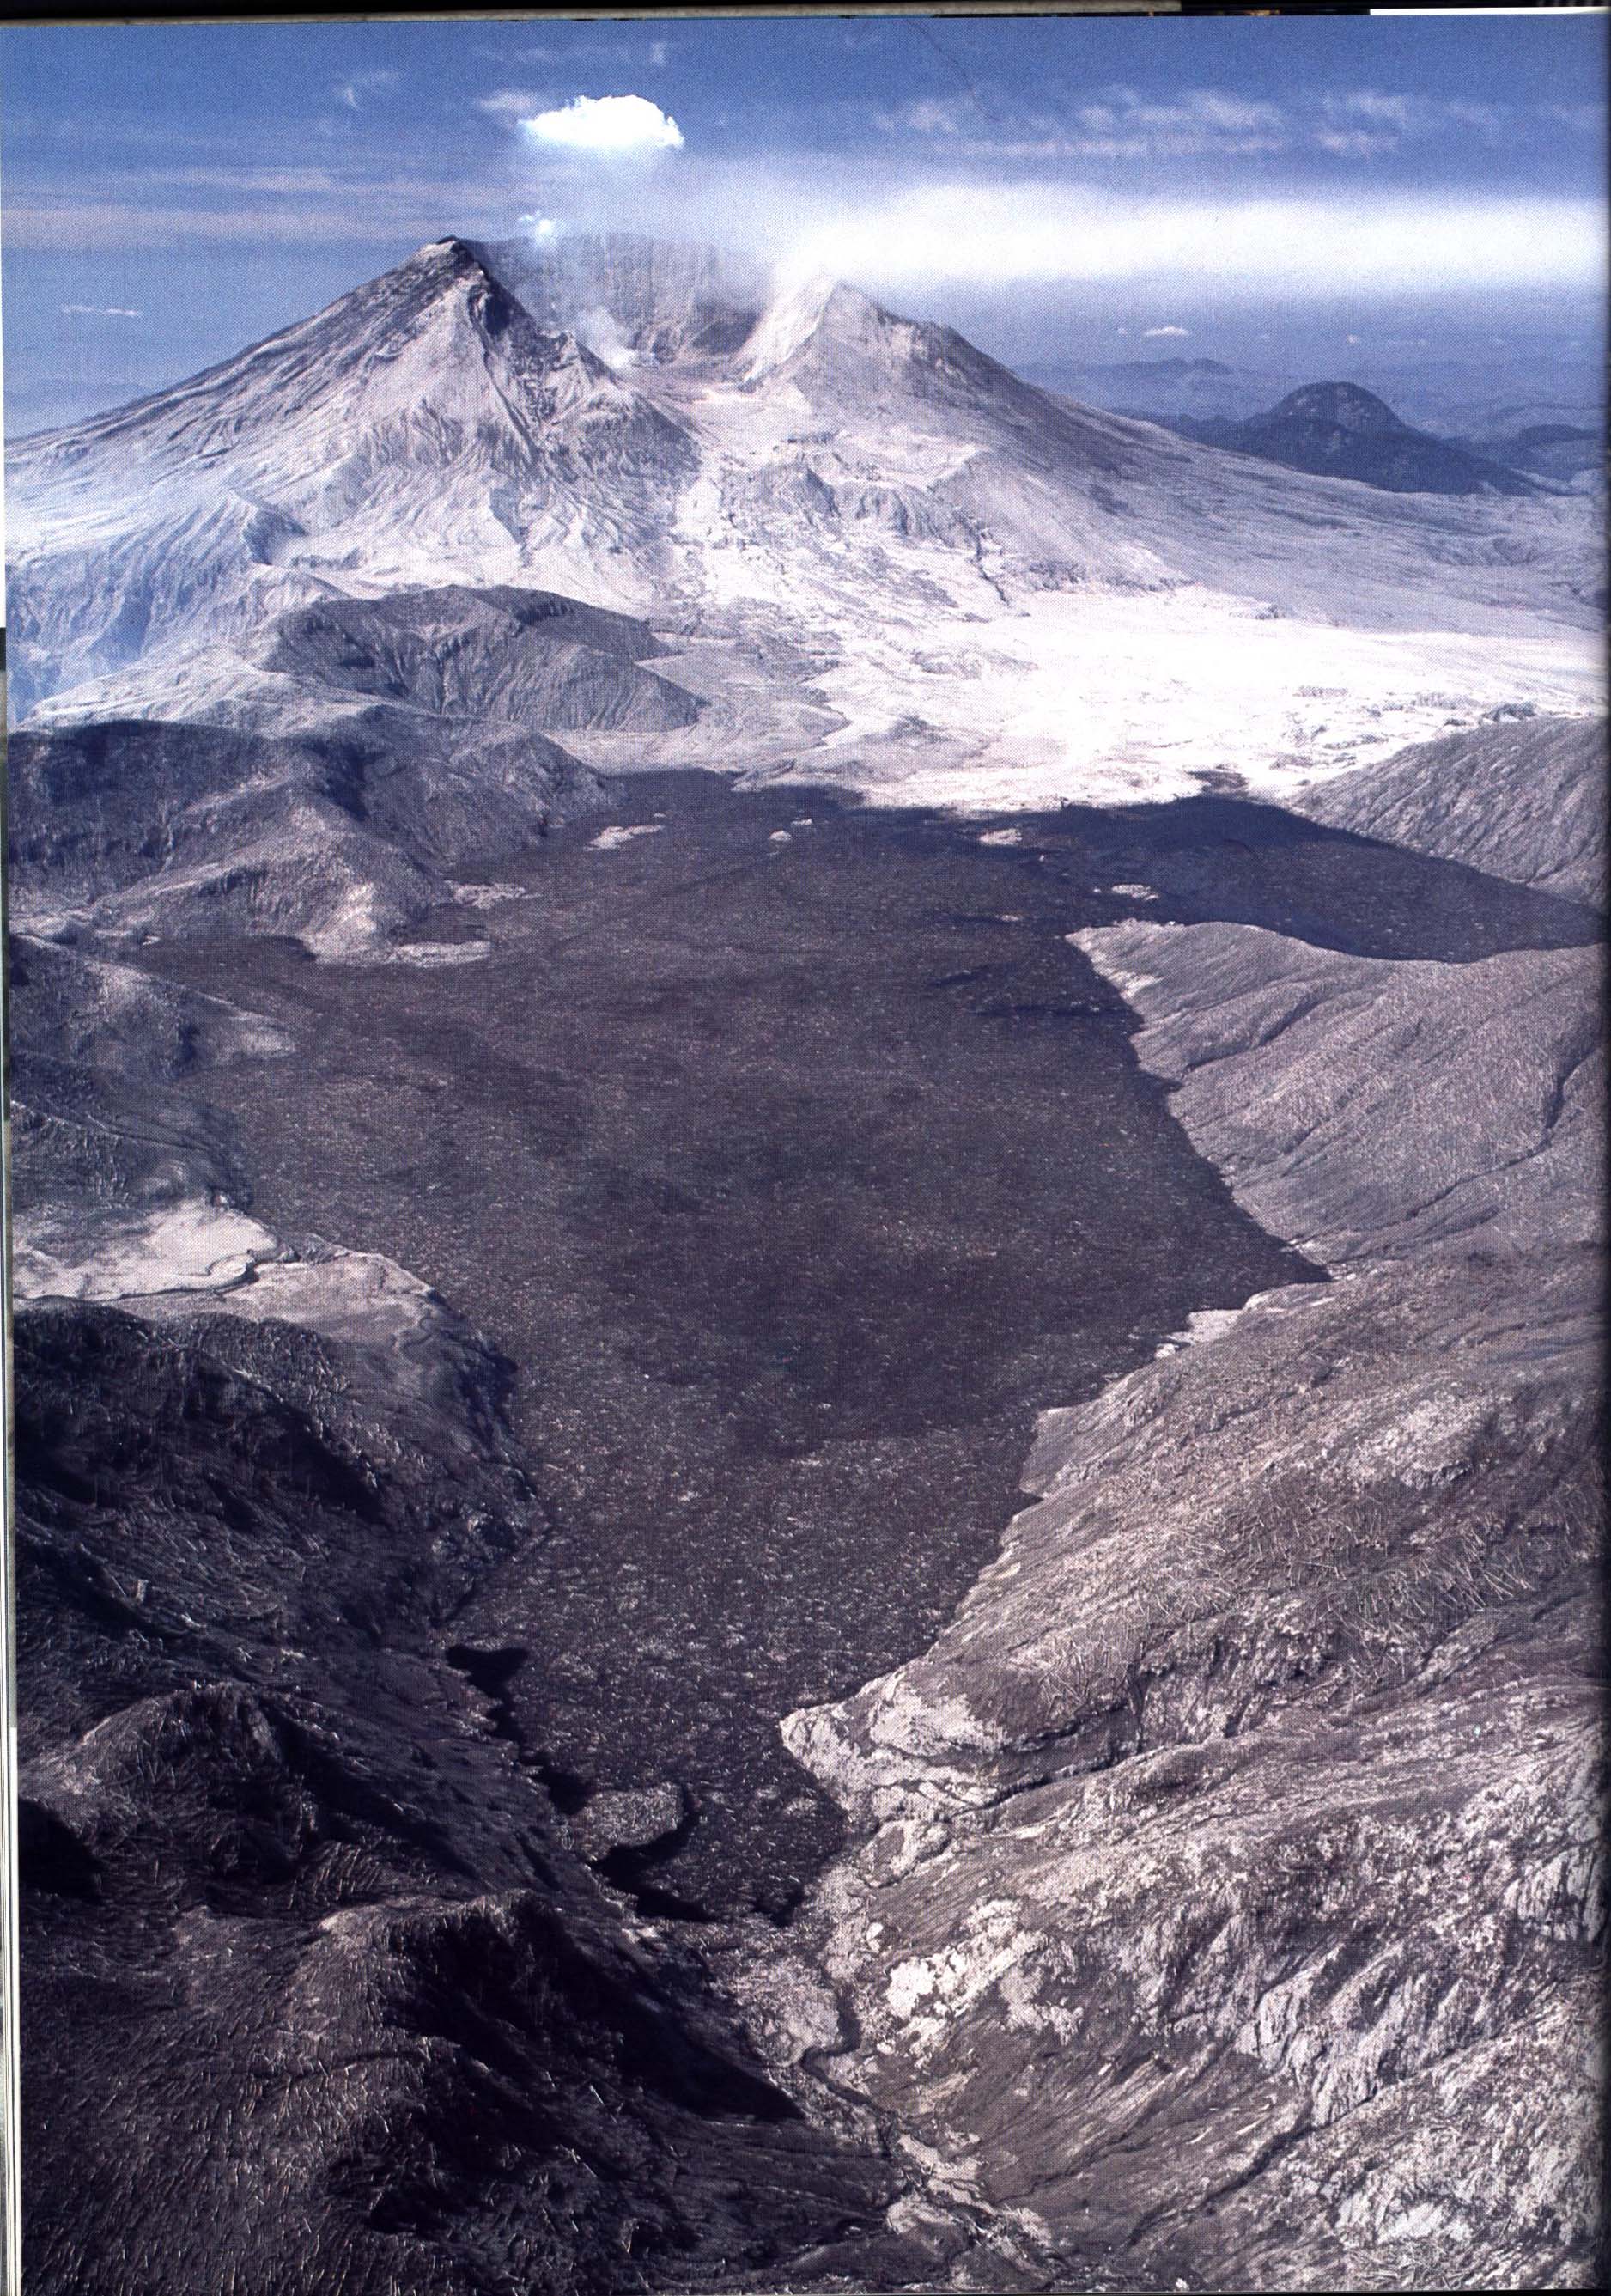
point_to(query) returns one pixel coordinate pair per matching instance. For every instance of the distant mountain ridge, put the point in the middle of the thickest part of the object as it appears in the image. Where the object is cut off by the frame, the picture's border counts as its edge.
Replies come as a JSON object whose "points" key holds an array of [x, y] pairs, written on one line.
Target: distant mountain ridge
{"points": [[1340, 429]]}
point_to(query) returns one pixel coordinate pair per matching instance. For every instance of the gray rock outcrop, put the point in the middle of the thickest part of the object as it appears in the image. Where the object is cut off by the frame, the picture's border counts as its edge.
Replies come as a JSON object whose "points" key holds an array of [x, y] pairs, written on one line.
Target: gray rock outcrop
{"points": [[1523, 797], [1361, 1107], [1229, 1908]]}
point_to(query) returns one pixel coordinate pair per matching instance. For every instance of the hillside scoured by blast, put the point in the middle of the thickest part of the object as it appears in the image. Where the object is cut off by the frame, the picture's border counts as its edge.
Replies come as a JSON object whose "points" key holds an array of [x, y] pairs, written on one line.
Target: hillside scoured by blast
{"points": [[319, 1994], [1228, 1903], [523, 658], [340, 837], [1364, 1107], [1523, 797]]}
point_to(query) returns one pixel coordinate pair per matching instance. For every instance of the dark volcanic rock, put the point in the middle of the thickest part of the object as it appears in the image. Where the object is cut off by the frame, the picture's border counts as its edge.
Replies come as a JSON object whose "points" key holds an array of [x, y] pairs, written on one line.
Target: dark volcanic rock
{"points": [[528, 657], [315, 1992], [633, 1817], [339, 837], [1339, 431], [794, 1179], [101, 1122]]}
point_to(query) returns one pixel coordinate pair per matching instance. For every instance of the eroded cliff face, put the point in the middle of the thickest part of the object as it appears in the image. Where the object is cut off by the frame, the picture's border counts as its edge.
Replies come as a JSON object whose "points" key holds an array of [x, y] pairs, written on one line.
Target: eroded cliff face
{"points": [[1229, 1904]]}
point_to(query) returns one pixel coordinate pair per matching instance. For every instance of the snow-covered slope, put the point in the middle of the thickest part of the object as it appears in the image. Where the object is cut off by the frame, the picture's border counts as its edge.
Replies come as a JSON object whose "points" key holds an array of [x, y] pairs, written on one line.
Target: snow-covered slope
{"points": [[880, 555], [422, 428]]}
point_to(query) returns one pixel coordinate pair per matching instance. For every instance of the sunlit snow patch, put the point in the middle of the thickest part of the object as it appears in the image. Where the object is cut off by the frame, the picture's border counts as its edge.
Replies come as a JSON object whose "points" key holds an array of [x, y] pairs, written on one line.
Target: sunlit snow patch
{"points": [[432, 954], [489, 897], [608, 840]]}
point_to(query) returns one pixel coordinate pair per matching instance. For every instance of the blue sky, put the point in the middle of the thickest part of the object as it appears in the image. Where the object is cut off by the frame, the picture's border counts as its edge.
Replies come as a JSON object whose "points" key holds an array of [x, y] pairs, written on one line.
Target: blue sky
{"points": [[1073, 187]]}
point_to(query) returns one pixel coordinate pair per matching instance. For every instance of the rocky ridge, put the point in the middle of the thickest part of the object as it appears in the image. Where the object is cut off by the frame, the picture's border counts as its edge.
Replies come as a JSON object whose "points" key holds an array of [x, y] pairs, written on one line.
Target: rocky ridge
{"points": [[1524, 796], [1230, 1906], [1343, 431]]}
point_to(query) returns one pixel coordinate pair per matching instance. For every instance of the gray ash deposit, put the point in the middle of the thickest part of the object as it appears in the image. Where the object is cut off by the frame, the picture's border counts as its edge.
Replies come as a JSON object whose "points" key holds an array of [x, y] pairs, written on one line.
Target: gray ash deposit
{"points": [[796, 1161]]}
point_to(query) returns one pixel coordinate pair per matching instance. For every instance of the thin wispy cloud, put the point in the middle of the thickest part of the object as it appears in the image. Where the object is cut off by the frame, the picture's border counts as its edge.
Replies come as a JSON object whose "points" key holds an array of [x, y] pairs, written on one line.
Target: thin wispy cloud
{"points": [[906, 241], [101, 311], [291, 183], [999, 234], [1157, 334], [1122, 124], [511, 106], [354, 94], [607, 124]]}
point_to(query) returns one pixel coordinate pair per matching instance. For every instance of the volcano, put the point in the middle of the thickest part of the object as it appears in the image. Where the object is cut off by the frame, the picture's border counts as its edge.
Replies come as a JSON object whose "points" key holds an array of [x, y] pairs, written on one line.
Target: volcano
{"points": [[867, 542]]}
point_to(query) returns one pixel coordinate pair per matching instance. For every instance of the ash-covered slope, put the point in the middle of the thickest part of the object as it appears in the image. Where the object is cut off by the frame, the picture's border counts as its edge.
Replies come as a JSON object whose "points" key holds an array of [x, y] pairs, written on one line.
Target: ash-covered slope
{"points": [[866, 537], [422, 423], [1339, 429], [1523, 797], [1409, 1105], [107, 1143], [1229, 1905], [129, 1188], [525, 657], [1228, 1908]]}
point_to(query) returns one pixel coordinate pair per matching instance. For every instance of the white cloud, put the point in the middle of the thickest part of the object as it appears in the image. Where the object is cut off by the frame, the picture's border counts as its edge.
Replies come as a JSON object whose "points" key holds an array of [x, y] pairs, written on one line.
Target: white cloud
{"points": [[100, 311], [1001, 235], [1369, 103], [1157, 334], [606, 123], [509, 103], [1354, 142], [929, 116], [1120, 124]]}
